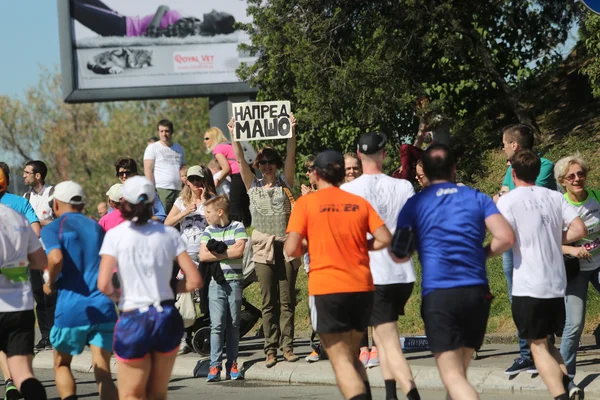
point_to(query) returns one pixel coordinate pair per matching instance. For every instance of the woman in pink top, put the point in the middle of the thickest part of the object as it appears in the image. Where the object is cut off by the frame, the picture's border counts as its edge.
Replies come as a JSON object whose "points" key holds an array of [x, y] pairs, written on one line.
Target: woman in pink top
{"points": [[239, 203], [103, 20], [113, 218]]}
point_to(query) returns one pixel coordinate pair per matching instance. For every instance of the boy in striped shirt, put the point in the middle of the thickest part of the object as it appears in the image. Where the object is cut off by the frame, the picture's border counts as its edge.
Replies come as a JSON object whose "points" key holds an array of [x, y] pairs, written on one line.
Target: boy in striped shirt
{"points": [[225, 298]]}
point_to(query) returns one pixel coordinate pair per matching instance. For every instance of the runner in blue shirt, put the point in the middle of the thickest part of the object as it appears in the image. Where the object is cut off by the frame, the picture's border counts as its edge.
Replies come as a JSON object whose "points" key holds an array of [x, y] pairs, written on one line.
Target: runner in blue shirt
{"points": [[449, 224], [84, 315]]}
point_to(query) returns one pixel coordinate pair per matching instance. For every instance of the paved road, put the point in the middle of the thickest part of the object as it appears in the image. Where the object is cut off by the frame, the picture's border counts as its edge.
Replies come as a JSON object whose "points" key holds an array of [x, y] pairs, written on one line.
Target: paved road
{"points": [[194, 388]]}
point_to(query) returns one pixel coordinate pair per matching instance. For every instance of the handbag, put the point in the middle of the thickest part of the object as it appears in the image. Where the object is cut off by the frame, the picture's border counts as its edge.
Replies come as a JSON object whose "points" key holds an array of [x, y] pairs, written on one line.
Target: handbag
{"points": [[572, 266], [187, 309]]}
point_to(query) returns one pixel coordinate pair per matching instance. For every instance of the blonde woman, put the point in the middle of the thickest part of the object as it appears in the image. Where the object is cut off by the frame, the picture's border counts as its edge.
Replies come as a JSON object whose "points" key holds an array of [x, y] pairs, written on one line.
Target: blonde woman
{"points": [[188, 209], [239, 203], [353, 167], [571, 174]]}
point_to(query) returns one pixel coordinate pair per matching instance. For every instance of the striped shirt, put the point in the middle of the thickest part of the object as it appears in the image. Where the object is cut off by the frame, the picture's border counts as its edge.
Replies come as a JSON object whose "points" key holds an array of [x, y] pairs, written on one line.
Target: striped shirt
{"points": [[232, 268]]}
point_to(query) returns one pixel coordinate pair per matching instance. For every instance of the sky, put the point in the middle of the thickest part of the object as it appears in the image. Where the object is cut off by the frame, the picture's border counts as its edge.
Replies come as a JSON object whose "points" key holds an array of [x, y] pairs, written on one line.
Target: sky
{"points": [[35, 44]]}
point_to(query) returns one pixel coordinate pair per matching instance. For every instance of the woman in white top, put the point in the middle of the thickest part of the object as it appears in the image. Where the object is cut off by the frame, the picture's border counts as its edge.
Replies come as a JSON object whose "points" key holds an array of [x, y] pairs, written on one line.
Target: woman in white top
{"points": [[571, 173], [149, 330], [188, 209]]}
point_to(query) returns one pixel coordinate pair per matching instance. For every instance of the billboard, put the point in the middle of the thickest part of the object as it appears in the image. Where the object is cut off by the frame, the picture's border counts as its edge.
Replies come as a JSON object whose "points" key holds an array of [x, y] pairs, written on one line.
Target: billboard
{"points": [[148, 49]]}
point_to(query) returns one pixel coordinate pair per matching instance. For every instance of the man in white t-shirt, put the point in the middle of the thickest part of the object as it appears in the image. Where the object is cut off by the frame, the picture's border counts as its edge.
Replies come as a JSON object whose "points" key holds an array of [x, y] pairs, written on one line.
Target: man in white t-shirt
{"points": [[20, 250], [162, 161], [34, 176], [393, 281], [542, 220]]}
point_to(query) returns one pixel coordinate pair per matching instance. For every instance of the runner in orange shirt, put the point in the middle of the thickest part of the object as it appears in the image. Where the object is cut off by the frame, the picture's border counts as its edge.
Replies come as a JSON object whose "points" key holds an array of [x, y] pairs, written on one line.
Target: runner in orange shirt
{"points": [[335, 223]]}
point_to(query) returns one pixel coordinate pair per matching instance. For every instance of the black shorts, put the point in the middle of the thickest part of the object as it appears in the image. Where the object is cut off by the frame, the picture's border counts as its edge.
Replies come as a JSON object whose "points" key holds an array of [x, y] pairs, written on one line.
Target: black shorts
{"points": [[17, 333], [456, 318], [341, 312], [538, 318], [389, 302]]}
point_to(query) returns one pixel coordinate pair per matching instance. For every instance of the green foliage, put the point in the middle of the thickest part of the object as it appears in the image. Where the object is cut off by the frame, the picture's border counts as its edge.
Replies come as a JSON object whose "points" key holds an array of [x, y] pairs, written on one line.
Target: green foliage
{"points": [[592, 44], [81, 142], [360, 65]]}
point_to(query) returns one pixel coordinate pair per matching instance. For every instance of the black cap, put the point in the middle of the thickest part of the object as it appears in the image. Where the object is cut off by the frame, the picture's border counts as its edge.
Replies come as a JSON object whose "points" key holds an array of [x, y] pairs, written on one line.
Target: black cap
{"points": [[324, 158], [371, 142]]}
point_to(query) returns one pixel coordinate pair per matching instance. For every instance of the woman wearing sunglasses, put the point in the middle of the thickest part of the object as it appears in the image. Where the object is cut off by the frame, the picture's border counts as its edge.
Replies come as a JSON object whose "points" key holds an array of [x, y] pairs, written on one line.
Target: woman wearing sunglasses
{"points": [[239, 204], [188, 213], [188, 210], [271, 203], [571, 173]]}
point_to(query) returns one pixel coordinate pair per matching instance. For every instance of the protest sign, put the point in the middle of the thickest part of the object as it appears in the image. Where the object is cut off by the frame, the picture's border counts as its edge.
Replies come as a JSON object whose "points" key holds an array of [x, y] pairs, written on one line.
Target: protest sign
{"points": [[261, 121]]}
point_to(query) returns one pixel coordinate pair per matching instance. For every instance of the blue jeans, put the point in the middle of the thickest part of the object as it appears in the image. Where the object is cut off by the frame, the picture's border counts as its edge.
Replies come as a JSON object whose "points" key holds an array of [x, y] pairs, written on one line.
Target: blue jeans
{"points": [[575, 303], [508, 265], [224, 305]]}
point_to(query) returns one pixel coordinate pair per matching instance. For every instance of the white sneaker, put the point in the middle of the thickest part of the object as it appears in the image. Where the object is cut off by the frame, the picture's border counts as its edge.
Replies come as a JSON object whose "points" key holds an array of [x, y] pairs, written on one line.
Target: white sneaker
{"points": [[184, 348]]}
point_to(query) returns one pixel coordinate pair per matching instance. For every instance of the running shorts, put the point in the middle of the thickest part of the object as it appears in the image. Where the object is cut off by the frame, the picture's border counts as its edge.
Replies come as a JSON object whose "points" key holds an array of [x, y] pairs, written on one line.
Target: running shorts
{"points": [[341, 312], [17, 333], [72, 340], [456, 317], [389, 302], [143, 331], [538, 318]]}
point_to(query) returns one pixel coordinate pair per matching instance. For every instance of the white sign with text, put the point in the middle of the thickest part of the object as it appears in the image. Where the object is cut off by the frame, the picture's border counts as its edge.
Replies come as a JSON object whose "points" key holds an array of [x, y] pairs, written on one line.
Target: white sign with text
{"points": [[263, 120]]}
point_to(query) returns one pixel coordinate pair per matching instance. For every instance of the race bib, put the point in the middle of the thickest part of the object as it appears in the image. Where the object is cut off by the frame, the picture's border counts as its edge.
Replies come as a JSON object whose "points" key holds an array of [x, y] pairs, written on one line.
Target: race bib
{"points": [[16, 271]]}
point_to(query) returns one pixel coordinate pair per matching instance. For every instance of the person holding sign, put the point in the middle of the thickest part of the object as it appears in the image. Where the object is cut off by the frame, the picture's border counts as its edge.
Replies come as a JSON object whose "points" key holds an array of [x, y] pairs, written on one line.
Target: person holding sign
{"points": [[239, 204], [271, 204]]}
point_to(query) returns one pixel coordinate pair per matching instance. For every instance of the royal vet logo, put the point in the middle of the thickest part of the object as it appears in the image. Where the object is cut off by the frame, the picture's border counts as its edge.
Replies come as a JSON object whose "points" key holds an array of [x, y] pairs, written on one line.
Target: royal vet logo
{"points": [[193, 61]]}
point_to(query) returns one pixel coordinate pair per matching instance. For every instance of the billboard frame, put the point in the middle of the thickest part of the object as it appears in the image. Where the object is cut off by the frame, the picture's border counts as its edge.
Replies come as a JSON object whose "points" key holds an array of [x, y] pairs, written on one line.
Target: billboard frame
{"points": [[72, 94]]}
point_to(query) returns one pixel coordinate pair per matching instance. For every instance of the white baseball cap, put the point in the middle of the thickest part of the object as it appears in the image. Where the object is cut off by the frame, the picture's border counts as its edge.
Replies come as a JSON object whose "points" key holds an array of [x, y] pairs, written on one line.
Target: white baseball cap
{"points": [[138, 189], [114, 193], [68, 192]]}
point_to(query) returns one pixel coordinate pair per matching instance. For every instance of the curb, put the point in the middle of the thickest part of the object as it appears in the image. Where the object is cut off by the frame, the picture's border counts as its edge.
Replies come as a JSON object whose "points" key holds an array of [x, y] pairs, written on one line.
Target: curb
{"points": [[485, 380]]}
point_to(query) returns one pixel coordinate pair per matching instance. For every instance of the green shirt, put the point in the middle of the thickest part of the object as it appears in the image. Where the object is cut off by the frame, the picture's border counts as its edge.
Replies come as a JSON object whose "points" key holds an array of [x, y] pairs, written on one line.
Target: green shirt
{"points": [[544, 179]]}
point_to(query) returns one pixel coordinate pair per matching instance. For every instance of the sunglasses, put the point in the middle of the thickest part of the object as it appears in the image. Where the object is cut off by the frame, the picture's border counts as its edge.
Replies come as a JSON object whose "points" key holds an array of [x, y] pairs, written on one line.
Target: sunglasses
{"points": [[265, 162], [126, 173], [206, 139], [310, 169], [579, 174], [195, 181]]}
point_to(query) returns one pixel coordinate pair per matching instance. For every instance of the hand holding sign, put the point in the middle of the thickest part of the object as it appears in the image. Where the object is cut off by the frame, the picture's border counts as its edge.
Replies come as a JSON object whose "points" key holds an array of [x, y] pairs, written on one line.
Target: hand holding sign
{"points": [[262, 121]]}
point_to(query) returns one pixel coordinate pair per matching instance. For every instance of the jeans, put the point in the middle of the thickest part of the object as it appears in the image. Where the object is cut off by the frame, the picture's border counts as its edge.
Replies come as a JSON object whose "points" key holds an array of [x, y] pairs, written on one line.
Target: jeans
{"points": [[278, 289], [575, 304], [508, 265], [225, 306]]}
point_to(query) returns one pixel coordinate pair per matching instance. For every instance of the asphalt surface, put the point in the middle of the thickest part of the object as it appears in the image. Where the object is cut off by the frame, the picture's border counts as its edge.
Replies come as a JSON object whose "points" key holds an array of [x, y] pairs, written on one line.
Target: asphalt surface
{"points": [[194, 388]]}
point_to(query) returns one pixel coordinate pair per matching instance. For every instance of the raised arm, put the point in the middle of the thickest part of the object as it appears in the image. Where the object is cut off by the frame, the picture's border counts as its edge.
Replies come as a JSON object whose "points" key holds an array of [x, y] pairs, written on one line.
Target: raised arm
{"points": [[245, 171], [503, 237], [289, 167]]}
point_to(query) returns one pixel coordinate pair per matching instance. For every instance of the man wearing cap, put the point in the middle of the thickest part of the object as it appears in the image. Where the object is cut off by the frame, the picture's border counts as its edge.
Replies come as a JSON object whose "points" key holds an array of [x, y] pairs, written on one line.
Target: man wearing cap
{"points": [[449, 224], [393, 281], [23, 252], [125, 169], [114, 218], [339, 281], [84, 316]]}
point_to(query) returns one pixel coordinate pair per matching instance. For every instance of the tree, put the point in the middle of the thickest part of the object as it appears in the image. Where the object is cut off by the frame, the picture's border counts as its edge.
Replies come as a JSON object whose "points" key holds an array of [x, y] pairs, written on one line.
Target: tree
{"points": [[81, 142], [352, 66]]}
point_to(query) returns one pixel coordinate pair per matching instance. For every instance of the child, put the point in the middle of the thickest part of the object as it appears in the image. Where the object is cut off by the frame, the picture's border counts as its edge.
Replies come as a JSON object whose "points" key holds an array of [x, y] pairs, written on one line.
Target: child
{"points": [[224, 241], [225, 187]]}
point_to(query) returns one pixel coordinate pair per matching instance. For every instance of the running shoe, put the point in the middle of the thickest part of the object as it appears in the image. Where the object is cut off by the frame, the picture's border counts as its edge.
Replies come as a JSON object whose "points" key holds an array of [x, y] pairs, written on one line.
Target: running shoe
{"points": [[313, 357], [364, 357], [520, 365], [184, 348], [373, 358], [234, 373], [532, 370], [575, 393], [43, 344], [10, 391], [214, 374]]}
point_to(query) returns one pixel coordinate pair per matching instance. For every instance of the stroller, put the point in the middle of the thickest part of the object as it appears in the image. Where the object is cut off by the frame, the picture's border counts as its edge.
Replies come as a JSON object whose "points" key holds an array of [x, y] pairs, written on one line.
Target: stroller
{"points": [[199, 332]]}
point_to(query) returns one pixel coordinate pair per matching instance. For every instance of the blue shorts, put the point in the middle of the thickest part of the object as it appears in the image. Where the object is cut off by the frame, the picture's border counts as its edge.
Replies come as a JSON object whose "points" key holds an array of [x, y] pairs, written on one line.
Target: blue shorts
{"points": [[72, 340], [140, 332]]}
